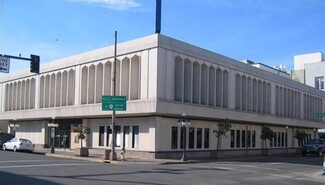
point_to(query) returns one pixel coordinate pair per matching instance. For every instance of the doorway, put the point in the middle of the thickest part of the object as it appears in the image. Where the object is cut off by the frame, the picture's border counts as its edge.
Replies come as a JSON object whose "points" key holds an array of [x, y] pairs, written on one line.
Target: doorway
{"points": [[62, 136]]}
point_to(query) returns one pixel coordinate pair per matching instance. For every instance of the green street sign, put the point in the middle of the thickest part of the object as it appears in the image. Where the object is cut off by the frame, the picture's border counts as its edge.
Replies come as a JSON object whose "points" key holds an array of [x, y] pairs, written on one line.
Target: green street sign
{"points": [[320, 114], [114, 103]]}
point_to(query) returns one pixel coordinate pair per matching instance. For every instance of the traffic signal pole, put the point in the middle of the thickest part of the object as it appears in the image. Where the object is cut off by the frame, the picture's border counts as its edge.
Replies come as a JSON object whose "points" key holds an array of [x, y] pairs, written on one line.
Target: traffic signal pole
{"points": [[34, 61], [14, 57]]}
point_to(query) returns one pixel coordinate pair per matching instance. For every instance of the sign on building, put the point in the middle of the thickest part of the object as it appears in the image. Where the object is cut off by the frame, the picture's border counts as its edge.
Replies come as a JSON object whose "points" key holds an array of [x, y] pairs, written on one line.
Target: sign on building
{"points": [[4, 64]]}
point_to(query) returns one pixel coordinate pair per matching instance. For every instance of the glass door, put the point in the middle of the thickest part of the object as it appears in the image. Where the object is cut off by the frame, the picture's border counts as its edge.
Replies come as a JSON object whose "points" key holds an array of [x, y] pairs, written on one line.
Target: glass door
{"points": [[65, 139]]}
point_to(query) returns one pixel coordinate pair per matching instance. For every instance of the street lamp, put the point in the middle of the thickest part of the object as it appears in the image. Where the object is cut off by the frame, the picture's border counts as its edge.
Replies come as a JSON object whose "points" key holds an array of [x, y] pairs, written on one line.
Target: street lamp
{"points": [[52, 125], [14, 125], [184, 122]]}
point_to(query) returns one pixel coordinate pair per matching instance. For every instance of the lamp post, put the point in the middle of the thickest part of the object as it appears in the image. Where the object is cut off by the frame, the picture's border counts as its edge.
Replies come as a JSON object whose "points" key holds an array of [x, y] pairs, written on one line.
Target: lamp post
{"points": [[52, 125], [184, 122], [14, 125]]}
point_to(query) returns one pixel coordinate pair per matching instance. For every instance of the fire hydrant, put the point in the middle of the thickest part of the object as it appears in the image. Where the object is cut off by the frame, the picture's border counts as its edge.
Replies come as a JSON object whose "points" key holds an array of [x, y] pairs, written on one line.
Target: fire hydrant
{"points": [[123, 154]]}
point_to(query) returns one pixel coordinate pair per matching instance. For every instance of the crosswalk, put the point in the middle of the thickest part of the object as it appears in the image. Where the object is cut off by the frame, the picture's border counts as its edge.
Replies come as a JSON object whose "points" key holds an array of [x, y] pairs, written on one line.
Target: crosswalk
{"points": [[270, 170]]}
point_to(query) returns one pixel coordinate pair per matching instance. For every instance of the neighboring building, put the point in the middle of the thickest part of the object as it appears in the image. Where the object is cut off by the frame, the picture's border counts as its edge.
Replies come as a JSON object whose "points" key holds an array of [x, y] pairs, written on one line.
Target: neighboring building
{"points": [[309, 69], [162, 78], [279, 70]]}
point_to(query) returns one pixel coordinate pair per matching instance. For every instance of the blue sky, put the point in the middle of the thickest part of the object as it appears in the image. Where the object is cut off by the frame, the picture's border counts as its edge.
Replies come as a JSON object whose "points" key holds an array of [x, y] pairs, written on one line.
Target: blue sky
{"points": [[266, 31]]}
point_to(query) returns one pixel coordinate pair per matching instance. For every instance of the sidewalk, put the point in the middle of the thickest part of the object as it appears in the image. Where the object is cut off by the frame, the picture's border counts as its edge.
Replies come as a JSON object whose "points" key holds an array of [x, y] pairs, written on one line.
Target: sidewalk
{"points": [[95, 157]]}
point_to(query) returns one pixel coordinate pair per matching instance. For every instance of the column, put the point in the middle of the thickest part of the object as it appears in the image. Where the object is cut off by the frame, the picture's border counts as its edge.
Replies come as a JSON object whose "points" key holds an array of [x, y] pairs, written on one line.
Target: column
{"points": [[232, 89], [301, 105], [37, 91]]}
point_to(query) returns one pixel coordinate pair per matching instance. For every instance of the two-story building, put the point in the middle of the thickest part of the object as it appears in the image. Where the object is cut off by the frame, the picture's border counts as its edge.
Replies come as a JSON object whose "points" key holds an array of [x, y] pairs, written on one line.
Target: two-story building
{"points": [[162, 78]]}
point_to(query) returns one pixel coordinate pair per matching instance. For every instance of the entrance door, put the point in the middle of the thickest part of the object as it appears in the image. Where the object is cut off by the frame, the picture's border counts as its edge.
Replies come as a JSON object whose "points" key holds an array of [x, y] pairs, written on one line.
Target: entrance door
{"points": [[62, 136], [64, 139]]}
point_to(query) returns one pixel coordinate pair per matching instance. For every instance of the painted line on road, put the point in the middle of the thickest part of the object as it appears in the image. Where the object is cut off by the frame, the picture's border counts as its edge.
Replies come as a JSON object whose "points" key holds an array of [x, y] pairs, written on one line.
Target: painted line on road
{"points": [[48, 165], [301, 176], [18, 161]]}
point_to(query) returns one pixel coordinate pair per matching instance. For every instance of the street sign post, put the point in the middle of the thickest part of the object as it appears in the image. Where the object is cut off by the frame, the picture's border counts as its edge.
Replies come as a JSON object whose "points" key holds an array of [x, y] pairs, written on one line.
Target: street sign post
{"points": [[4, 64], [320, 114], [113, 103]]}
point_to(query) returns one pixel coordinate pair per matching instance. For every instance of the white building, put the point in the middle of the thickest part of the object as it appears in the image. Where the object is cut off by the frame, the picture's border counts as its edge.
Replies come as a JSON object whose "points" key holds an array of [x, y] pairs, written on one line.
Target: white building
{"points": [[309, 69], [162, 78], [279, 70]]}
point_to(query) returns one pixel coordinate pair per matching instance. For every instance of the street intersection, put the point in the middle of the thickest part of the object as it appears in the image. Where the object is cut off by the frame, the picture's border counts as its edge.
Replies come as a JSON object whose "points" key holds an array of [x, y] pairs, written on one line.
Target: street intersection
{"points": [[24, 168]]}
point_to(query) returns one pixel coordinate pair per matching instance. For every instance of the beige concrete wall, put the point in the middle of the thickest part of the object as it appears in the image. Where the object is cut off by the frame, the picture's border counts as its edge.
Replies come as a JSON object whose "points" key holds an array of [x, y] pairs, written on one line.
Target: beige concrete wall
{"points": [[34, 131]]}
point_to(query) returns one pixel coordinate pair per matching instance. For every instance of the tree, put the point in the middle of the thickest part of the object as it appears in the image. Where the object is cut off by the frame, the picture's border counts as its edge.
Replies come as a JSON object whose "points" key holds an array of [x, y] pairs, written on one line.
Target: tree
{"points": [[82, 131], [266, 134], [223, 128], [300, 135]]}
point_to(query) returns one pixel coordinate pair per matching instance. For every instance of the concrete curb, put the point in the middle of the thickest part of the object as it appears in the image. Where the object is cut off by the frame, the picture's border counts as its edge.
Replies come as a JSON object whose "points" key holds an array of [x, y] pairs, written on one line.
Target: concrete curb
{"points": [[75, 157]]}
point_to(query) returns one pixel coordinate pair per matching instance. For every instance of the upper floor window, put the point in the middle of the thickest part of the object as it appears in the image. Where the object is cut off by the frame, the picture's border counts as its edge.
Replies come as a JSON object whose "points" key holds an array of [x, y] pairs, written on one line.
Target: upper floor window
{"points": [[319, 82]]}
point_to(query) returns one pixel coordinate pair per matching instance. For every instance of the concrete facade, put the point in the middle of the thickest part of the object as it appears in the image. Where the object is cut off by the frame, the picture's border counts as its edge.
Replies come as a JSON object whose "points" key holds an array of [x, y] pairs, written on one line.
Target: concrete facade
{"points": [[162, 78]]}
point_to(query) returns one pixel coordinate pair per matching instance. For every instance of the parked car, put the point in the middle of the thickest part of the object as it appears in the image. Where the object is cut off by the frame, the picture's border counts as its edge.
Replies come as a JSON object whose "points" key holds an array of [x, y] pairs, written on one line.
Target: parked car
{"points": [[314, 146], [4, 137], [16, 144]]}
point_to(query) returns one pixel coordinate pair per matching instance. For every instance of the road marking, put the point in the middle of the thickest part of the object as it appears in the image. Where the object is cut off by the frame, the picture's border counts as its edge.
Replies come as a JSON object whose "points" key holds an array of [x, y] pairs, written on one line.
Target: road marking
{"points": [[301, 176], [18, 161], [48, 165]]}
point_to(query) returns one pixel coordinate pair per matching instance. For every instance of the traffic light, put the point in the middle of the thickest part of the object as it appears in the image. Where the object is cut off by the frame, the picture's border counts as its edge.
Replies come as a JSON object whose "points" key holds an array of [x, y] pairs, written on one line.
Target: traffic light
{"points": [[34, 63]]}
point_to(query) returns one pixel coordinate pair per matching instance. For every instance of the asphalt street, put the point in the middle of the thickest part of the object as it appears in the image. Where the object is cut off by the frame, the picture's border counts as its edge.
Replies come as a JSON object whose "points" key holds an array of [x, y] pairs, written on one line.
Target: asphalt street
{"points": [[34, 169]]}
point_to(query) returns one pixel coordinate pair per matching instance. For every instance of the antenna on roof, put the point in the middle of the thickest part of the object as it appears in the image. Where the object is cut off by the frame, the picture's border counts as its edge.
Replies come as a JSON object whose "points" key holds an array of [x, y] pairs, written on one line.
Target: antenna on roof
{"points": [[158, 16]]}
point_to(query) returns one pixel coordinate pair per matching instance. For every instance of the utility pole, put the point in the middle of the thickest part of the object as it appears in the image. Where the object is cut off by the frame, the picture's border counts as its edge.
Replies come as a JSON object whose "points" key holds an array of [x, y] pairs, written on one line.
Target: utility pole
{"points": [[113, 156], [158, 16]]}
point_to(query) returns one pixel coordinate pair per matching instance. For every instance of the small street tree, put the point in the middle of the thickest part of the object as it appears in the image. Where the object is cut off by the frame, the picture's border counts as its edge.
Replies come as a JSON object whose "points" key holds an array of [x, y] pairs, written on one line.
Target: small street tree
{"points": [[266, 134], [82, 131], [300, 135], [223, 128]]}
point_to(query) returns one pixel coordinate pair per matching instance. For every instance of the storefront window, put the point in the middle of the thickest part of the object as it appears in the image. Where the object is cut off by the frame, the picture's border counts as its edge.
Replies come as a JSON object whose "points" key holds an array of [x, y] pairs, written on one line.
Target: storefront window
{"points": [[248, 138], [243, 138], [232, 138], [237, 138], [135, 136], [126, 132], [101, 136], [199, 138], [174, 137], [108, 136], [206, 138], [183, 129], [191, 138], [254, 139], [117, 136]]}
